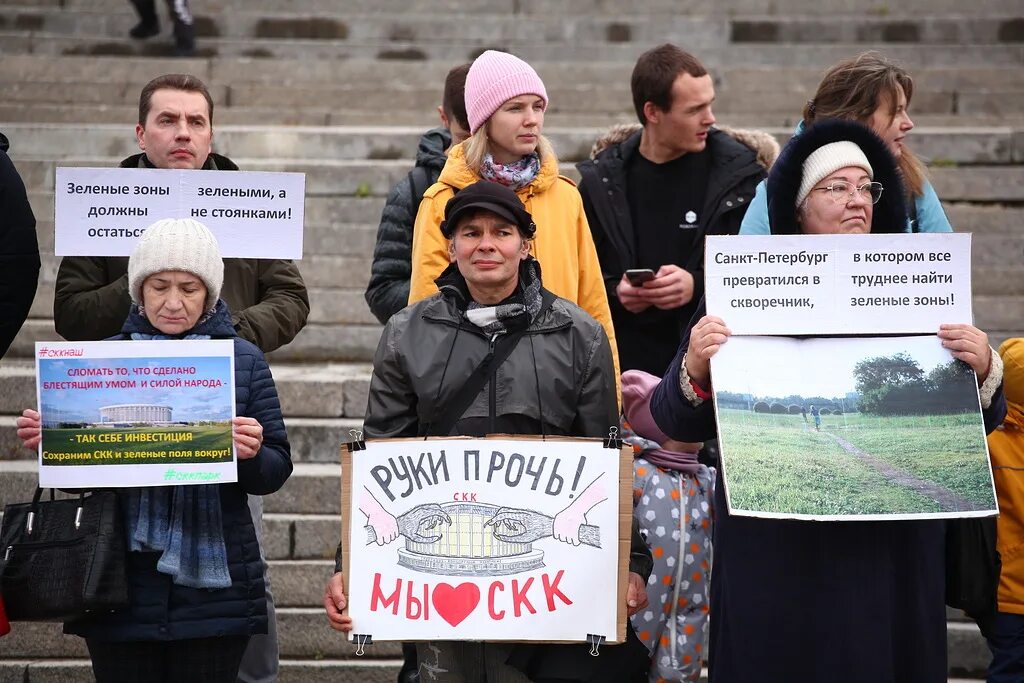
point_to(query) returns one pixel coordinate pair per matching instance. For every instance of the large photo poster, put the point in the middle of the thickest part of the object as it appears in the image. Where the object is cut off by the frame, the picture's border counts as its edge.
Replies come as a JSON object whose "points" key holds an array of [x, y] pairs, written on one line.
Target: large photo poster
{"points": [[857, 429], [866, 426], [139, 413], [486, 539]]}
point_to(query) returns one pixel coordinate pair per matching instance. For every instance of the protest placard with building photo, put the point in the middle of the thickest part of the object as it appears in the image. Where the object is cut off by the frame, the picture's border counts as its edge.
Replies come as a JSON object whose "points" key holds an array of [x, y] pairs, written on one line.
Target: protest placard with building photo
{"points": [[487, 539], [138, 413], [851, 428]]}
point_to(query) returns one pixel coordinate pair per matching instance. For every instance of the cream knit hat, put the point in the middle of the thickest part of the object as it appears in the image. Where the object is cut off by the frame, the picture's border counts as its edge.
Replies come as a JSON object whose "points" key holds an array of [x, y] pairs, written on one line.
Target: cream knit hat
{"points": [[177, 244], [828, 159]]}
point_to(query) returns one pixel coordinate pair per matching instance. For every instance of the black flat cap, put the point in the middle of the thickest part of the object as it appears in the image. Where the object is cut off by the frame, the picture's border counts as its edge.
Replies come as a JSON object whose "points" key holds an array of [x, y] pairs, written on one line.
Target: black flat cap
{"points": [[487, 196]]}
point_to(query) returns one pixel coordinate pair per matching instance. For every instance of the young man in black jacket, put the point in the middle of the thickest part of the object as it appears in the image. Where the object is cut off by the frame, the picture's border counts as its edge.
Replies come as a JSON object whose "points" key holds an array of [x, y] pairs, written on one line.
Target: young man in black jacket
{"points": [[652, 197], [388, 290]]}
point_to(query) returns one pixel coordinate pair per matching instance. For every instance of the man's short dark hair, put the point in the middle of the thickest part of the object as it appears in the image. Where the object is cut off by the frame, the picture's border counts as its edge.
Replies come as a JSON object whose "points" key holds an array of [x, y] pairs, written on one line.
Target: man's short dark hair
{"points": [[454, 102], [656, 71], [185, 82]]}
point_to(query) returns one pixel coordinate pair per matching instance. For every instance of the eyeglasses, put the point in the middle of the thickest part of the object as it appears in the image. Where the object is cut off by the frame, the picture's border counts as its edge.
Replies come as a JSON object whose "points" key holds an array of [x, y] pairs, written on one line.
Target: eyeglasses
{"points": [[842, 191]]}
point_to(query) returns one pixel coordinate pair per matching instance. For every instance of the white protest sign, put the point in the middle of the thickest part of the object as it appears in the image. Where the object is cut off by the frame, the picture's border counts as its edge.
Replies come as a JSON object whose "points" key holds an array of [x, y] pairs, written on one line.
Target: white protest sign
{"points": [[486, 539], [838, 284], [103, 211], [136, 413]]}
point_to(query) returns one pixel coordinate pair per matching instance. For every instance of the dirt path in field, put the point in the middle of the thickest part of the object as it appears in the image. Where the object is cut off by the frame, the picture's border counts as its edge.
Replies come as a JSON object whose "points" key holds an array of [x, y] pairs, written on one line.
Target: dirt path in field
{"points": [[947, 500]]}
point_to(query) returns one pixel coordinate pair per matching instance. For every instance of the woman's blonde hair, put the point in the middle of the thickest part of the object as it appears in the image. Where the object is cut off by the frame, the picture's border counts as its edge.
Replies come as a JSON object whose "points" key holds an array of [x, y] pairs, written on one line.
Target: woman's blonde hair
{"points": [[854, 88], [477, 145]]}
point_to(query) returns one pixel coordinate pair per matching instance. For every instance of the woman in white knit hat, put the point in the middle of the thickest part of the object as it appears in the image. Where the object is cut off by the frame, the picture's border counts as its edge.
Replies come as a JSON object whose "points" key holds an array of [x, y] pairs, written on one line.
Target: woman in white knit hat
{"points": [[805, 602], [505, 103], [195, 577]]}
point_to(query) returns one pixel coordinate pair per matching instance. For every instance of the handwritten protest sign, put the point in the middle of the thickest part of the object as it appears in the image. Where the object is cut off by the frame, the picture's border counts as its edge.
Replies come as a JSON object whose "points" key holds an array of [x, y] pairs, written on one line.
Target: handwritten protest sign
{"points": [[859, 428], [136, 413], [838, 284], [486, 539], [103, 211]]}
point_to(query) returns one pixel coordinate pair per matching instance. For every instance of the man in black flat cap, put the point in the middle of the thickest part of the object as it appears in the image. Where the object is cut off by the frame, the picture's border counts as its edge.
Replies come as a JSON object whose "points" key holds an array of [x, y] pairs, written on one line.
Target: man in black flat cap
{"points": [[559, 380]]}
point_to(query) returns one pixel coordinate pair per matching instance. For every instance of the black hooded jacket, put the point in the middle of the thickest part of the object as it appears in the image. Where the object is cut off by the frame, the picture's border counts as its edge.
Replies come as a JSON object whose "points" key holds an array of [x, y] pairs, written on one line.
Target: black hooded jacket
{"points": [[19, 251], [388, 290]]}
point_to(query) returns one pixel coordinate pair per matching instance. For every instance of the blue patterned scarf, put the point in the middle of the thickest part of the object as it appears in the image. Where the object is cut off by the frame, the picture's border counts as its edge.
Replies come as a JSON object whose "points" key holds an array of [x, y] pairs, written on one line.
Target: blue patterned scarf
{"points": [[182, 522]]}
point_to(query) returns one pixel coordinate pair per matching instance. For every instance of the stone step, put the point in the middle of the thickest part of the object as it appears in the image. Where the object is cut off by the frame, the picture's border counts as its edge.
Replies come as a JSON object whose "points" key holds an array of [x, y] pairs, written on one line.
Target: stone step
{"points": [[982, 183], [325, 390], [223, 74], [38, 42], [349, 342], [313, 488], [973, 110], [506, 28], [943, 146], [570, 8], [313, 439], [344, 225], [424, 29], [303, 633]]}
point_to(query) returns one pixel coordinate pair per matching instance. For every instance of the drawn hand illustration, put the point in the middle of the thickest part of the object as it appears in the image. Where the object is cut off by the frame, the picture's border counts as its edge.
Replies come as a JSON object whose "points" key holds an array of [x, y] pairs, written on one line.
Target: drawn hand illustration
{"points": [[382, 527], [569, 525]]}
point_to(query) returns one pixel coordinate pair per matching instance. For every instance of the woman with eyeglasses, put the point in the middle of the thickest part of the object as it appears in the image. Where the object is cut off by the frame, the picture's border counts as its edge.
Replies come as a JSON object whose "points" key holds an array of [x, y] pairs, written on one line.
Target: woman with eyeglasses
{"points": [[876, 92], [806, 602]]}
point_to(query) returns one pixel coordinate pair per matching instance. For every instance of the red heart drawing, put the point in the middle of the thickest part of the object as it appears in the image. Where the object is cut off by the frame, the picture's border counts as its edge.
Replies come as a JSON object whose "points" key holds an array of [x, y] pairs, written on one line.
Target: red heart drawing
{"points": [[455, 603]]}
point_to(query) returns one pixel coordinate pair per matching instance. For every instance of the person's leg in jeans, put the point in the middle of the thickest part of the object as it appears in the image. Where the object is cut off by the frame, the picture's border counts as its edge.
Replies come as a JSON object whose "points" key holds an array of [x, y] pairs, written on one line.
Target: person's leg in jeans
{"points": [[1007, 645], [260, 663]]}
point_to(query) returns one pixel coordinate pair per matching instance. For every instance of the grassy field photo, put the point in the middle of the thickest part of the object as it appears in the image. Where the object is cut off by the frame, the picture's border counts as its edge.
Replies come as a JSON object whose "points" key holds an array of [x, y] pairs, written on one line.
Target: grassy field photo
{"points": [[852, 428]]}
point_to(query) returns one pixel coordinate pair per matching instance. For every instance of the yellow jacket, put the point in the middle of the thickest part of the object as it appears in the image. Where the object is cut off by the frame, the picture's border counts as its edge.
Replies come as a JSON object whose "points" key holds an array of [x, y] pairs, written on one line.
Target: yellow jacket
{"points": [[1006, 445], [563, 243]]}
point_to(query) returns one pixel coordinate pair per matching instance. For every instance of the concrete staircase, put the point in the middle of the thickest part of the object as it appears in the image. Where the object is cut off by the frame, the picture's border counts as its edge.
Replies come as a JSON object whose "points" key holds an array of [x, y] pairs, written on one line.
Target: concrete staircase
{"points": [[341, 91]]}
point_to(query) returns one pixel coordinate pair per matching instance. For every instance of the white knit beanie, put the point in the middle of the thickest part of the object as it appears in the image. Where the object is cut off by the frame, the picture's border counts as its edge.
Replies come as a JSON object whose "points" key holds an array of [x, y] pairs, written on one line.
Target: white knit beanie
{"points": [[828, 159], [177, 244]]}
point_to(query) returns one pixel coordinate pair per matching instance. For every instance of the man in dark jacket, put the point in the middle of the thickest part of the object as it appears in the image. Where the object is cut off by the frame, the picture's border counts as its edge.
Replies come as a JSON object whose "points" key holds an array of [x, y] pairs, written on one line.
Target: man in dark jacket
{"points": [[491, 296], [19, 251], [267, 297], [388, 290], [651, 199]]}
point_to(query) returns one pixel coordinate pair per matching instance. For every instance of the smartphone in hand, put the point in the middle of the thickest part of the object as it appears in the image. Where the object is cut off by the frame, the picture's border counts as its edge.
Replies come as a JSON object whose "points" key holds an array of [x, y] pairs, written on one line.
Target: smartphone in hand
{"points": [[638, 276]]}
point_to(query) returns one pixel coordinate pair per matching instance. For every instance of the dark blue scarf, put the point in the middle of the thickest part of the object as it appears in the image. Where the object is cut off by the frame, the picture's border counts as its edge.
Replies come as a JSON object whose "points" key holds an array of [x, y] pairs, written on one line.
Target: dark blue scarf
{"points": [[184, 522]]}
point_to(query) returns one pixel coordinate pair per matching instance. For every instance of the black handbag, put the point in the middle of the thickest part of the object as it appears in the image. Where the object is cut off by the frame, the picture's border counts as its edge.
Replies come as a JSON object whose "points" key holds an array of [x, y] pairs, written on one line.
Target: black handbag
{"points": [[60, 559]]}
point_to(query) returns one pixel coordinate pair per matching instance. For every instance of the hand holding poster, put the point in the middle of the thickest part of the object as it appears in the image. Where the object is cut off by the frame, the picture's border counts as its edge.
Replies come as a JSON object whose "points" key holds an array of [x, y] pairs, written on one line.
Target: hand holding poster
{"points": [[496, 539], [103, 211], [839, 284], [136, 413]]}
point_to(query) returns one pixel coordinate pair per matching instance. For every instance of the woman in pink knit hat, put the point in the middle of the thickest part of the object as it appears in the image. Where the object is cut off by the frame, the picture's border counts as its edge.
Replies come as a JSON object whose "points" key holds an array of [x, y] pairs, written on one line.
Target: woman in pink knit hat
{"points": [[505, 103]]}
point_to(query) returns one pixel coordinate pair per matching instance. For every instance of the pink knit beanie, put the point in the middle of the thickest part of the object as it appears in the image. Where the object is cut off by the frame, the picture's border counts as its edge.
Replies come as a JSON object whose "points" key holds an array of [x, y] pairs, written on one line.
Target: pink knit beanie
{"points": [[494, 78], [637, 388]]}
